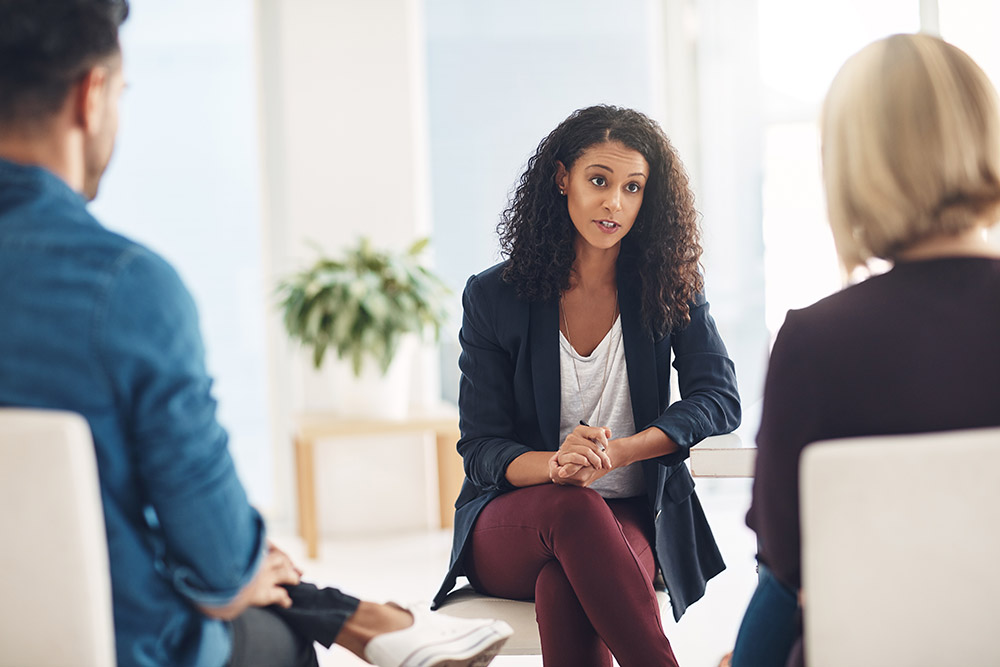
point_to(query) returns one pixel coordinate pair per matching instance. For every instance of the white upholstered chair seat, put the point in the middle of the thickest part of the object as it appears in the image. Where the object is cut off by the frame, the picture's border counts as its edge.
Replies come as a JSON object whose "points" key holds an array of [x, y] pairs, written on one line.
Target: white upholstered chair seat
{"points": [[520, 615]]}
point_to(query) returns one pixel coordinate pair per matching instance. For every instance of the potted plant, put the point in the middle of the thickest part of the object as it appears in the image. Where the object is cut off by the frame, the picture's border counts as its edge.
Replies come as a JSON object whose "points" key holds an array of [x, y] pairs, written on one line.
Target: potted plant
{"points": [[362, 303]]}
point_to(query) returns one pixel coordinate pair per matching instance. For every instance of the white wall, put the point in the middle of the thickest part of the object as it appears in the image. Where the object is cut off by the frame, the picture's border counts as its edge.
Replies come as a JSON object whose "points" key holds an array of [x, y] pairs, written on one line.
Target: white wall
{"points": [[344, 154]]}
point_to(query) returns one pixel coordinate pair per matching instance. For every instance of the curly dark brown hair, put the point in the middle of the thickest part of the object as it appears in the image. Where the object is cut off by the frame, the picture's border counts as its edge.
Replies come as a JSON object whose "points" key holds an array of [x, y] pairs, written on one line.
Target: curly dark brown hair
{"points": [[663, 249]]}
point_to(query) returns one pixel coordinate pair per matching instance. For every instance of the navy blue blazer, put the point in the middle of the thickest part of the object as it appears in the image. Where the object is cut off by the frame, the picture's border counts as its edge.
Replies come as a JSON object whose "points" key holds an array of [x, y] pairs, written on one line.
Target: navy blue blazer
{"points": [[509, 403]]}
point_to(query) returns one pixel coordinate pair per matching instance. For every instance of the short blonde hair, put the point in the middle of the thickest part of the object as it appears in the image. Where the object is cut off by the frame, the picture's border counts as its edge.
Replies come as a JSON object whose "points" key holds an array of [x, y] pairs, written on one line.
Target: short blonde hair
{"points": [[911, 147]]}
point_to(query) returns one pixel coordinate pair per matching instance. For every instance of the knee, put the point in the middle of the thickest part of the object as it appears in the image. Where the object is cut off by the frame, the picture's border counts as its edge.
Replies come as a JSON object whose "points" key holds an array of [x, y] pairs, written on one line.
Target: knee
{"points": [[574, 502]]}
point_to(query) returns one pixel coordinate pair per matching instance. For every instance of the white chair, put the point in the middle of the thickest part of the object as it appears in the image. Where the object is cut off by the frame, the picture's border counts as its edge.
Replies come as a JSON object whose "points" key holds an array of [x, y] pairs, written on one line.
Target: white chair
{"points": [[901, 550], [520, 615], [55, 586]]}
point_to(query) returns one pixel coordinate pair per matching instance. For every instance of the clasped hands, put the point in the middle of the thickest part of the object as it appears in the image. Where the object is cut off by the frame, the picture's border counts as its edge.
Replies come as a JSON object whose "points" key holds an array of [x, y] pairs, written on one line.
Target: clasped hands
{"points": [[584, 457]]}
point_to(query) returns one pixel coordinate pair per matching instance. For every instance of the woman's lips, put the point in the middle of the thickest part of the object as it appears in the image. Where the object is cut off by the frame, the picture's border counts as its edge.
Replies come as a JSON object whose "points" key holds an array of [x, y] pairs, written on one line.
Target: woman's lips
{"points": [[607, 226]]}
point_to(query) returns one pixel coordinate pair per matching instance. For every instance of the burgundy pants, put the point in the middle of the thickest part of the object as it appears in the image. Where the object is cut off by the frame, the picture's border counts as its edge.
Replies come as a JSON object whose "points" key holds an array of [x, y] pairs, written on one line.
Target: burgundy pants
{"points": [[588, 564]]}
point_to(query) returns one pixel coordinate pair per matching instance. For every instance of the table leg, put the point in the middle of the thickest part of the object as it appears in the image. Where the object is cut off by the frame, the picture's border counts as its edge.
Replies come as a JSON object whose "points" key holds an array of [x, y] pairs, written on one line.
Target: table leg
{"points": [[306, 482], [451, 473]]}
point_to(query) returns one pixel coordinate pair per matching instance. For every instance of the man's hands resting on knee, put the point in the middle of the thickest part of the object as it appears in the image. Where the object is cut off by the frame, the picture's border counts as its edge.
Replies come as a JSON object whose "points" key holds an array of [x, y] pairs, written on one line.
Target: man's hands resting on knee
{"points": [[265, 589]]}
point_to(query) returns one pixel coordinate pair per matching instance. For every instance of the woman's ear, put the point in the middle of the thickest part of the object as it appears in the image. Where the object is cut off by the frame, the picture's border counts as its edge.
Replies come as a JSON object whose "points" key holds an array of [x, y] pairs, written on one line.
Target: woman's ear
{"points": [[562, 177]]}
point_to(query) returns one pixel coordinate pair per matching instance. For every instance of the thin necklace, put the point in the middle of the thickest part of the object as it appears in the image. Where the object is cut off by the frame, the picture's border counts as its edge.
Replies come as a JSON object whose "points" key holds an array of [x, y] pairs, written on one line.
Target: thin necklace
{"points": [[607, 366]]}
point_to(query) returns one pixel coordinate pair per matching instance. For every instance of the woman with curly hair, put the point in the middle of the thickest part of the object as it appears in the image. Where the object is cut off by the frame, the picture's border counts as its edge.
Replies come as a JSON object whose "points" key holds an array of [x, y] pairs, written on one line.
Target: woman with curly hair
{"points": [[576, 491]]}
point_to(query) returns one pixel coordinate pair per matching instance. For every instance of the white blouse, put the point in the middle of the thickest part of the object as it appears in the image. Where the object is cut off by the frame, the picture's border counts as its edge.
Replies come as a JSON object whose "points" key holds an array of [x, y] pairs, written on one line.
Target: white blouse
{"points": [[595, 389]]}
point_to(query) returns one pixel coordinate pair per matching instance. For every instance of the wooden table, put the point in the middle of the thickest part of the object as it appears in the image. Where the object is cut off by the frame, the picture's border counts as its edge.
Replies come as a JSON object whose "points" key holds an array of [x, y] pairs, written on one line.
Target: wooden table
{"points": [[313, 427]]}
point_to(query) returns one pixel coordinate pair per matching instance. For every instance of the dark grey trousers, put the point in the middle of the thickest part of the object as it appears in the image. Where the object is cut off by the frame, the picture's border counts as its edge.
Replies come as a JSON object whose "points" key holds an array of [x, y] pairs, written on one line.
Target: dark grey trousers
{"points": [[277, 637]]}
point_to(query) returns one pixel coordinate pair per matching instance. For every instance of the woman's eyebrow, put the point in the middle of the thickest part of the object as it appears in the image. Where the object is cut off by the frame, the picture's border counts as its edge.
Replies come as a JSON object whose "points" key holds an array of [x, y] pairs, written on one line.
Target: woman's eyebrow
{"points": [[603, 166]]}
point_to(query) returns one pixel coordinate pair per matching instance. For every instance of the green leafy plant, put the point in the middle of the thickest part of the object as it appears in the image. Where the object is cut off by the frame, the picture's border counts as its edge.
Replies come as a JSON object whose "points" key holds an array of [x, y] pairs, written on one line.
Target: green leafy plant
{"points": [[361, 303]]}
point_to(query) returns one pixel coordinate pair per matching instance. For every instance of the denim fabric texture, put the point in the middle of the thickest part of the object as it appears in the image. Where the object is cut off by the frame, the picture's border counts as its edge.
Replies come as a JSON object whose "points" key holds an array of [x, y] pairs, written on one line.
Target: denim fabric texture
{"points": [[98, 324], [770, 626]]}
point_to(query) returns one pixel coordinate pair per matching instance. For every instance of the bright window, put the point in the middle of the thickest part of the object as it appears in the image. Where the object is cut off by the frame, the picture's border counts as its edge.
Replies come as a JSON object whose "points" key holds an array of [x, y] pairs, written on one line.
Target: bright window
{"points": [[802, 46]]}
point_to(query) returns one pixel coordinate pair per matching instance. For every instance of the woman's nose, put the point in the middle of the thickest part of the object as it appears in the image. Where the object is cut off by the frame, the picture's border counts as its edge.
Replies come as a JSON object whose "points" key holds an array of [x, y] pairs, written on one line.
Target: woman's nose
{"points": [[613, 202]]}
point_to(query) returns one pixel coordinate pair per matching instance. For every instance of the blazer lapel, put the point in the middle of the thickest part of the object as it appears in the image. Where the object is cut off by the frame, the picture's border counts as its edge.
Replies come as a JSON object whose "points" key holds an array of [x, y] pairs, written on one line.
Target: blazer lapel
{"points": [[543, 325]]}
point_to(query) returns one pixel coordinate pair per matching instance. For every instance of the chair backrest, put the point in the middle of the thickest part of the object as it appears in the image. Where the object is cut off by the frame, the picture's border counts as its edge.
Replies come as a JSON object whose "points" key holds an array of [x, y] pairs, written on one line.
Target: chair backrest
{"points": [[901, 549], [55, 584]]}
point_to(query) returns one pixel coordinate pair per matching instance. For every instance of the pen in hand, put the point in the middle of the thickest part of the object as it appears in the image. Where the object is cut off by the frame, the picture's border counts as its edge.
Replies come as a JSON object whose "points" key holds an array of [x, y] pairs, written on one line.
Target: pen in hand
{"points": [[583, 423]]}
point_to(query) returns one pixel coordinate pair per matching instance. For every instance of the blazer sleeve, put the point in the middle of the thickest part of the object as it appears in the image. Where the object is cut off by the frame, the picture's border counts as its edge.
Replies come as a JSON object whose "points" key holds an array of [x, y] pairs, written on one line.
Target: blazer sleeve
{"points": [[710, 401], [486, 394]]}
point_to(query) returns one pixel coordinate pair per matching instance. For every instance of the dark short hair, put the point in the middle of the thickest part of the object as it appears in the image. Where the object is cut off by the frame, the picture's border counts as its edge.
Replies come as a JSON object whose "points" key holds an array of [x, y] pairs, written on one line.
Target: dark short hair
{"points": [[46, 46]]}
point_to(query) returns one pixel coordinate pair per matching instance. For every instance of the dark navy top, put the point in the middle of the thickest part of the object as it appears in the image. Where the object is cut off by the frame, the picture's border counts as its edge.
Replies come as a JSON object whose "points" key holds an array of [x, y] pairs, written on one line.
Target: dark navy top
{"points": [[509, 402], [914, 350]]}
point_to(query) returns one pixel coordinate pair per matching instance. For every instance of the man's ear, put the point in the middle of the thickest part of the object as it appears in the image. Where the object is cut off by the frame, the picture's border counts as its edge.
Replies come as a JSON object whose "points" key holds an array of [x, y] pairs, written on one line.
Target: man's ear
{"points": [[562, 175], [90, 97]]}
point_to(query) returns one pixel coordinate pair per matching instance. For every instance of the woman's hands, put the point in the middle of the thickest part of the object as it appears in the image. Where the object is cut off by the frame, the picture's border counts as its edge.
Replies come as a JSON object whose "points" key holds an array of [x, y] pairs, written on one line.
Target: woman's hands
{"points": [[588, 453], [583, 458]]}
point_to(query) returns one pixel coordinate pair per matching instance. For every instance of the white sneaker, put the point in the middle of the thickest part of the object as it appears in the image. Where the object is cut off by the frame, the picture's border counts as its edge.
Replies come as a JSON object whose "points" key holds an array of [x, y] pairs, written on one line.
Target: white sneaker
{"points": [[438, 640]]}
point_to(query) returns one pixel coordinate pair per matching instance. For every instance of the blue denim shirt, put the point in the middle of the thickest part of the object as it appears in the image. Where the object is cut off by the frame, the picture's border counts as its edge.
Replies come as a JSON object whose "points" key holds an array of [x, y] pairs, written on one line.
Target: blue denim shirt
{"points": [[95, 323]]}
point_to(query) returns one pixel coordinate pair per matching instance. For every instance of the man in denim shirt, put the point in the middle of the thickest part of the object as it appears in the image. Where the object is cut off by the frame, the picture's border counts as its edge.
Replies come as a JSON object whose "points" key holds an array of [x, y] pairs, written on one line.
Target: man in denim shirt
{"points": [[94, 323]]}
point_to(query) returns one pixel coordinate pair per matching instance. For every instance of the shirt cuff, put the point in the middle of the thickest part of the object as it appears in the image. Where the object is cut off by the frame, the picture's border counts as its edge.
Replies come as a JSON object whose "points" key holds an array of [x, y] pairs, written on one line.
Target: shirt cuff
{"points": [[192, 586]]}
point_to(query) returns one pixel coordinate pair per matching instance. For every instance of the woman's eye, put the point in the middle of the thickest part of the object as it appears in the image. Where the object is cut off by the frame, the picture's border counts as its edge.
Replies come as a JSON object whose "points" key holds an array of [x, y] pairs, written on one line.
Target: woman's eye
{"points": [[599, 181], [632, 187]]}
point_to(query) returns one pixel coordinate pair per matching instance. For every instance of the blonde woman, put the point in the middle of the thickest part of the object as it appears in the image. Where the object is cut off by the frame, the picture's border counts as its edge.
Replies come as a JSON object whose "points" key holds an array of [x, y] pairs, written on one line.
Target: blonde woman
{"points": [[911, 165]]}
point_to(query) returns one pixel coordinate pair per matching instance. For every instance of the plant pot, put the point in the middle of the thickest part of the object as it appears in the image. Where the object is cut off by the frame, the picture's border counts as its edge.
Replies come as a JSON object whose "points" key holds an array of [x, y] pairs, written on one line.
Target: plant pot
{"points": [[374, 395]]}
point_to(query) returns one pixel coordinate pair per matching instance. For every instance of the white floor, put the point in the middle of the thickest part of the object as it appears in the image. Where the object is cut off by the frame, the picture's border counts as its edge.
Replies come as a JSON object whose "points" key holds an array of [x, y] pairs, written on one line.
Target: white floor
{"points": [[409, 568]]}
